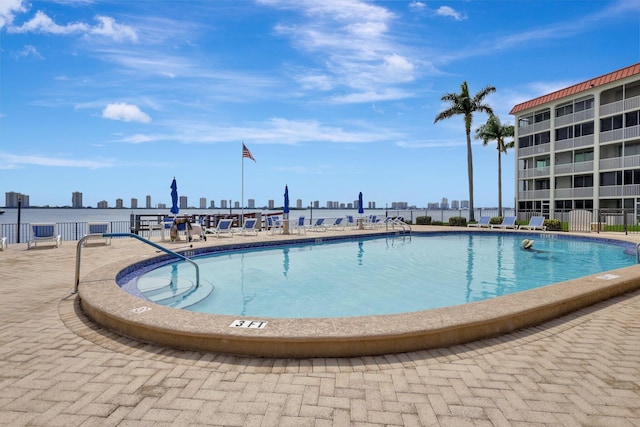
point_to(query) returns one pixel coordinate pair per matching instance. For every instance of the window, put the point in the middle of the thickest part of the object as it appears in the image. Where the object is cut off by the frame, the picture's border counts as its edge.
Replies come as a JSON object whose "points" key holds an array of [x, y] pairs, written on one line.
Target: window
{"points": [[582, 181], [611, 178], [583, 129], [632, 177], [542, 184], [541, 116], [583, 156], [525, 141], [525, 121], [564, 133], [585, 104], [583, 204], [564, 110], [631, 119], [611, 123], [542, 138]]}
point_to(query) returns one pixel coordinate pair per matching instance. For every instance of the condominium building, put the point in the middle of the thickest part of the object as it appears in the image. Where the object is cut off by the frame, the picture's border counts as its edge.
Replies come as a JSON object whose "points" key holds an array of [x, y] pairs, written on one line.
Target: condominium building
{"points": [[579, 147], [76, 199], [12, 199]]}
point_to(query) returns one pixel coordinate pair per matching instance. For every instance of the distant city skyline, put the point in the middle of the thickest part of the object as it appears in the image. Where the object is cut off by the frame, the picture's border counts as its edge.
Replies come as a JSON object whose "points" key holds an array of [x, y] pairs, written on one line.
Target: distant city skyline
{"points": [[11, 201]]}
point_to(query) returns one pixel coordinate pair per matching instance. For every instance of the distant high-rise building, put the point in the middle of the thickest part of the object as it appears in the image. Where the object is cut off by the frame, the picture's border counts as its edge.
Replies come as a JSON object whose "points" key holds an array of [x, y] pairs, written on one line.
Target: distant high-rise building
{"points": [[299, 204], [223, 204], [455, 204], [11, 199], [134, 203], [433, 205], [372, 205], [271, 204], [236, 205], [464, 204], [399, 205], [212, 205], [251, 203], [316, 204], [119, 204], [183, 202], [203, 203], [148, 202], [162, 206], [76, 199], [103, 204]]}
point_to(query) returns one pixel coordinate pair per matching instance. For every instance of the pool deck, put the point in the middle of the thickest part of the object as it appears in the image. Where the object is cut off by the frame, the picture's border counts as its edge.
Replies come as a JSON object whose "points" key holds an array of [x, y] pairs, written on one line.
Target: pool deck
{"points": [[59, 368]]}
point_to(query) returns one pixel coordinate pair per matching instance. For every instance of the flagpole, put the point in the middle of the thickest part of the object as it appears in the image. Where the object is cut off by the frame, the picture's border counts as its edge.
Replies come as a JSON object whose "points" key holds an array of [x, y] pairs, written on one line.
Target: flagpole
{"points": [[242, 192]]}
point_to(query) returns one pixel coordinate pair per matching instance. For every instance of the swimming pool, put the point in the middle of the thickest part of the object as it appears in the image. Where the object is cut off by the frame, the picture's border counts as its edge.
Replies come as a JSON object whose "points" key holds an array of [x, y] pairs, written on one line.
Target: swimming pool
{"points": [[375, 276], [103, 300]]}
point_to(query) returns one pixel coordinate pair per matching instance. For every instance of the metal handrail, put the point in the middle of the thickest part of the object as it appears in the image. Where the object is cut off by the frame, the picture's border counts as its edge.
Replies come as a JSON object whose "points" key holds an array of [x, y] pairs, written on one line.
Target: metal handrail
{"points": [[135, 236]]}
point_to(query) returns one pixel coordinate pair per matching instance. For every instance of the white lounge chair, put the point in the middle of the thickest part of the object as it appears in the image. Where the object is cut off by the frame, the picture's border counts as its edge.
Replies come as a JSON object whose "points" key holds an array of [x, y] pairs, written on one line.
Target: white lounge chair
{"points": [[535, 223], [318, 225], [223, 227], [196, 231], [338, 223], [46, 232], [274, 224], [298, 226], [507, 222], [484, 221], [249, 226], [3, 243], [95, 230]]}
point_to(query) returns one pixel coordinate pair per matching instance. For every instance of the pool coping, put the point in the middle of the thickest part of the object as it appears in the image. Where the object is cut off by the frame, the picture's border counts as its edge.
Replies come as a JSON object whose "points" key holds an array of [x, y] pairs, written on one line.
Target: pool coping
{"points": [[108, 305]]}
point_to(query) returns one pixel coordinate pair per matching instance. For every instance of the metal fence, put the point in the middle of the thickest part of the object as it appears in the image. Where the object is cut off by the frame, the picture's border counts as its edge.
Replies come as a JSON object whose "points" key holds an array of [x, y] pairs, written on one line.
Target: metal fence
{"points": [[591, 220], [68, 230]]}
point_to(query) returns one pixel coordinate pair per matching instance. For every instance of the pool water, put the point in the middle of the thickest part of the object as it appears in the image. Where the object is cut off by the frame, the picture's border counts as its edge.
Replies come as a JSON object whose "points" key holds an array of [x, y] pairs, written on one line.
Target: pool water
{"points": [[382, 275]]}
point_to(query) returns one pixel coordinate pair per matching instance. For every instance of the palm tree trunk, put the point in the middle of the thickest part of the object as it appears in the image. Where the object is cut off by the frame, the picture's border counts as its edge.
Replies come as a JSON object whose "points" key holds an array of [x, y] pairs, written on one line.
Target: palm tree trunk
{"points": [[470, 172], [499, 182]]}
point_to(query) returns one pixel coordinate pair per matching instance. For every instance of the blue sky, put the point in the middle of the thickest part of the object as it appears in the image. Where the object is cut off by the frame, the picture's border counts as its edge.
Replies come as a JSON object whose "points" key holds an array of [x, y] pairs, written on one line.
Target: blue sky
{"points": [[332, 97]]}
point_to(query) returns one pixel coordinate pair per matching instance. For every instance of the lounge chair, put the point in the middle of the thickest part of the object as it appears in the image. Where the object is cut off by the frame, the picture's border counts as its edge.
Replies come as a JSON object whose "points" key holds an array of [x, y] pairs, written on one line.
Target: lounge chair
{"points": [[337, 224], [535, 223], [373, 221], [223, 227], [298, 226], [318, 225], [274, 225], [507, 222], [44, 233], [249, 226], [3, 243], [95, 230], [482, 222]]}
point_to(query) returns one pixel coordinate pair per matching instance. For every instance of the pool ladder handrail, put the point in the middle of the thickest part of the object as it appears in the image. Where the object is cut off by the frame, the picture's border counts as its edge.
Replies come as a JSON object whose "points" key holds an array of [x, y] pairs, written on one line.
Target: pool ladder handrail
{"points": [[393, 222], [637, 253], [135, 236]]}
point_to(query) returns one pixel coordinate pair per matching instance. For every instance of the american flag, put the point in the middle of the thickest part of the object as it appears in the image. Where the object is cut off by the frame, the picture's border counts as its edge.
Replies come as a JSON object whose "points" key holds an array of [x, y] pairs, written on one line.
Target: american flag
{"points": [[247, 153]]}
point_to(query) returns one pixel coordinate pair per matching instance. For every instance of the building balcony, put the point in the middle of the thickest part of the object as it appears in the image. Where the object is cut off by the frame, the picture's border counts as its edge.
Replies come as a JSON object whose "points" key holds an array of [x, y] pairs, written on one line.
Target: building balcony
{"points": [[627, 162], [620, 190], [620, 106], [534, 195], [577, 117], [534, 172], [573, 168], [631, 132], [571, 143], [573, 193], [534, 150]]}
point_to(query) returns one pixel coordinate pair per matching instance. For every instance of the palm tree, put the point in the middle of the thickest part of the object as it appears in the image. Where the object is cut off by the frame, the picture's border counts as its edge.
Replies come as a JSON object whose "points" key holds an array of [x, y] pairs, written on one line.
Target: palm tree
{"points": [[493, 130], [463, 104]]}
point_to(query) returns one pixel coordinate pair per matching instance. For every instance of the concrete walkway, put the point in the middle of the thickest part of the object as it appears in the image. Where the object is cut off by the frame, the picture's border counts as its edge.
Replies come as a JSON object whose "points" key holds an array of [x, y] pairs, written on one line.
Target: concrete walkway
{"points": [[57, 368]]}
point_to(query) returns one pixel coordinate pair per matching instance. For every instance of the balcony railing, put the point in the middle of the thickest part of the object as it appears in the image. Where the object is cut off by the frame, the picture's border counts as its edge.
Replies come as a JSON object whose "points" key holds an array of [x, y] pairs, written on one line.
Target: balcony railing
{"points": [[533, 194], [620, 162], [571, 168], [632, 103], [579, 116], [573, 193], [620, 190]]}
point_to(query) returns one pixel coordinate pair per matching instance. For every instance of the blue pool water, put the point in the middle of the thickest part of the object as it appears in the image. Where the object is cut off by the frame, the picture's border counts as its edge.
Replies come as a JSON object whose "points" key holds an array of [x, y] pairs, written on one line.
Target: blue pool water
{"points": [[378, 275]]}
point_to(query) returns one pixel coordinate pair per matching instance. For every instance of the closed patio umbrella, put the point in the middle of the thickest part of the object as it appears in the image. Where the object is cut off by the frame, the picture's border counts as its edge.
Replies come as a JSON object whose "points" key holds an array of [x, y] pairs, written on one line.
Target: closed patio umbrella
{"points": [[174, 197], [285, 210], [360, 206]]}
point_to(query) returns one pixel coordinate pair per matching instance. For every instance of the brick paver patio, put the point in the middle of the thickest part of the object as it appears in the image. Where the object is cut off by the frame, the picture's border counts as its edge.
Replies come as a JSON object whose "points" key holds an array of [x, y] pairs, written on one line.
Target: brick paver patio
{"points": [[58, 368]]}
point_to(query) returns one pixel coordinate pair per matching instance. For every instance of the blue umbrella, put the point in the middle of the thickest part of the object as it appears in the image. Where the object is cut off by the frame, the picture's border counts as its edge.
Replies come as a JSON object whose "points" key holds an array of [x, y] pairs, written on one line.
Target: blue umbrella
{"points": [[174, 197], [360, 205], [286, 199]]}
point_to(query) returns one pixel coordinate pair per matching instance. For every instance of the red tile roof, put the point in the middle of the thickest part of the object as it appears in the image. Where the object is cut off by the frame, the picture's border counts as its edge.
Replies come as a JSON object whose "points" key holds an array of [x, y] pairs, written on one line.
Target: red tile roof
{"points": [[580, 87]]}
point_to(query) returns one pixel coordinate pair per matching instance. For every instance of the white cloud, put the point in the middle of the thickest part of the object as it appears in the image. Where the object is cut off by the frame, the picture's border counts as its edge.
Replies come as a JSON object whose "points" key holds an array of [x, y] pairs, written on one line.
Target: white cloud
{"points": [[352, 41], [450, 12], [8, 10], [14, 161], [106, 27], [28, 51], [125, 112]]}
